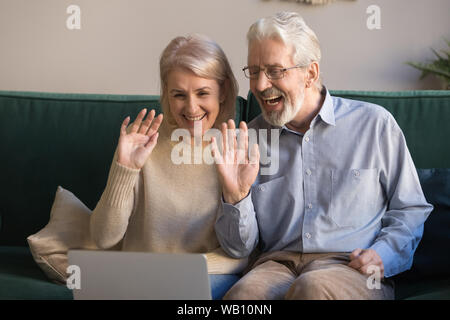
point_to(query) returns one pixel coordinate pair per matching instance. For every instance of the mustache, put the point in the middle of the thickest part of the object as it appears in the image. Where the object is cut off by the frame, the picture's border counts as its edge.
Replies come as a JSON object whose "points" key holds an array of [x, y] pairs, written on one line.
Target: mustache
{"points": [[270, 92]]}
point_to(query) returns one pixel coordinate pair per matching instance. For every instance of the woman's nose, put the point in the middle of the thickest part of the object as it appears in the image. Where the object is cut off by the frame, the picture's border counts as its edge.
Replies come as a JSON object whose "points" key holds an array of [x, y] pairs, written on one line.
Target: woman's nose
{"points": [[191, 105]]}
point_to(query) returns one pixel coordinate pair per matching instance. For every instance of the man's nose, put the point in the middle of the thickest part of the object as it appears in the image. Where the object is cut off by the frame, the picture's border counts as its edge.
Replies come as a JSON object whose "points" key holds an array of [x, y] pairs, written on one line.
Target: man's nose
{"points": [[262, 82]]}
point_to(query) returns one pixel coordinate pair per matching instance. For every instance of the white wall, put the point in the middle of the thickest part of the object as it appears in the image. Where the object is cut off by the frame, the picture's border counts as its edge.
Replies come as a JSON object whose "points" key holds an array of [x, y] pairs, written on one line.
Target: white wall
{"points": [[118, 46]]}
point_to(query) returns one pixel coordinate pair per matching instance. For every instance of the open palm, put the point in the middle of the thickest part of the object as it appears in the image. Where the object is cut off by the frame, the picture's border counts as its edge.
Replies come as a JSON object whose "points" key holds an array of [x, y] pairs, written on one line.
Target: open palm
{"points": [[237, 171], [137, 142]]}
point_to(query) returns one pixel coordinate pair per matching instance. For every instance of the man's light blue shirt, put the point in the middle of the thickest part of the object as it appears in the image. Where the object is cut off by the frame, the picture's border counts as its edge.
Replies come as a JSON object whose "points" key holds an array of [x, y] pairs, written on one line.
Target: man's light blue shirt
{"points": [[349, 182]]}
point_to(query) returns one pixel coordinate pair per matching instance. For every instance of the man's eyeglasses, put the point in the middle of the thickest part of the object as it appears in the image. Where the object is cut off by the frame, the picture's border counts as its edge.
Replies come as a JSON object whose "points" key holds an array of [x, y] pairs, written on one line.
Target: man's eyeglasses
{"points": [[272, 73]]}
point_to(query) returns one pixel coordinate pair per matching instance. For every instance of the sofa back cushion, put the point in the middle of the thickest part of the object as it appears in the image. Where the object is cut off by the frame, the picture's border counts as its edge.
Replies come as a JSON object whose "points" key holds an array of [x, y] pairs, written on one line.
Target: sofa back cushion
{"points": [[55, 139], [50, 139], [423, 116]]}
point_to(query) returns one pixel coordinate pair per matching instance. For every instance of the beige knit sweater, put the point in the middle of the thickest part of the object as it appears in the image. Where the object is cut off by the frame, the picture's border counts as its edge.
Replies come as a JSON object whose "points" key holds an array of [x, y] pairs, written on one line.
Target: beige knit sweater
{"points": [[163, 207]]}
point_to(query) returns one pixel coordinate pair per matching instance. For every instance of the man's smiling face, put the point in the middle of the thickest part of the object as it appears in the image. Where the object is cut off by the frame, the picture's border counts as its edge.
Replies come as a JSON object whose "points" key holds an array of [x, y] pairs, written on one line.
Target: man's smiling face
{"points": [[280, 99]]}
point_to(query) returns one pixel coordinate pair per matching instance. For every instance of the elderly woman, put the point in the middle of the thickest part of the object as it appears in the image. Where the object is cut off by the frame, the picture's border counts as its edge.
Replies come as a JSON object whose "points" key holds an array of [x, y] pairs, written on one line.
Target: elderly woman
{"points": [[150, 203]]}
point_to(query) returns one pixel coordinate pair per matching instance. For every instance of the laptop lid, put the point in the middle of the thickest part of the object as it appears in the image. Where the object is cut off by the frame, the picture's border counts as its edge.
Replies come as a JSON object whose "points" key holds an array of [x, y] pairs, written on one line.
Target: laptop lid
{"points": [[138, 275]]}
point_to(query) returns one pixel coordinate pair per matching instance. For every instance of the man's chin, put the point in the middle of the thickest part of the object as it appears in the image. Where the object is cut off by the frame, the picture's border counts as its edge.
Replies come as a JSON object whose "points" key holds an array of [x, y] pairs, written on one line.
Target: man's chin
{"points": [[275, 118], [272, 114], [287, 113]]}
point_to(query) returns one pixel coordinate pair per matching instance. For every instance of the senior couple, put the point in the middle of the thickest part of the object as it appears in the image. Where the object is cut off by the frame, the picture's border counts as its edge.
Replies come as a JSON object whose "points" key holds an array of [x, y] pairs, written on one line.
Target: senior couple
{"points": [[344, 205]]}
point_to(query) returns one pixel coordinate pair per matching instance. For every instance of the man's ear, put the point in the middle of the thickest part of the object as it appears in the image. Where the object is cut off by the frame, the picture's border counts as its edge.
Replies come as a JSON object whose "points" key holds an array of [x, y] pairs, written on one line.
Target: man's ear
{"points": [[312, 74]]}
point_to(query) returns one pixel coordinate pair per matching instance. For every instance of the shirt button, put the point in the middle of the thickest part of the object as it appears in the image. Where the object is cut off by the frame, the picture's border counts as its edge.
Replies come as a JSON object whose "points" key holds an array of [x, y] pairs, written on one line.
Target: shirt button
{"points": [[261, 188], [310, 206], [306, 139], [308, 172], [356, 173], [308, 235]]}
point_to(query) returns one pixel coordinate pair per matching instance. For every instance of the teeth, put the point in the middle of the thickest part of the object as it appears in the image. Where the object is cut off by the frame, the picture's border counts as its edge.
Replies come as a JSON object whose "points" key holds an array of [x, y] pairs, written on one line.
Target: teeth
{"points": [[272, 98], [194, 118], [271, 101]]}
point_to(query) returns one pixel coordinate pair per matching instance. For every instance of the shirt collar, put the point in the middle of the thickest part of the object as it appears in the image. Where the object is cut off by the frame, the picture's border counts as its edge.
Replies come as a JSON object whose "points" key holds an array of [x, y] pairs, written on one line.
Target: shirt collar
{"points": [[326, 113]]}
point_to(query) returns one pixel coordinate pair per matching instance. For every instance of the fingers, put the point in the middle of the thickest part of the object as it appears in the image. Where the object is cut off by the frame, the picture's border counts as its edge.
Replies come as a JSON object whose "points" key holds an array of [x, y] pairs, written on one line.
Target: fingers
{"points": [[365, 260], [152, 141], [355, 253], [243, 137], [137, 123], [358, 259], [215, 151], [224, 129], [148, 126], [371, 268], [232, 134], [228, 131], [147, 122], [235, 150], [155, 125], [123, 127], [254, 155]]}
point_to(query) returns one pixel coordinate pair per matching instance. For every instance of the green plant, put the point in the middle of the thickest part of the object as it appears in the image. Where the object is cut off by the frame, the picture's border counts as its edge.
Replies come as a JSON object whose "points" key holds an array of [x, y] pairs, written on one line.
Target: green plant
{"points": [[439, 67]]}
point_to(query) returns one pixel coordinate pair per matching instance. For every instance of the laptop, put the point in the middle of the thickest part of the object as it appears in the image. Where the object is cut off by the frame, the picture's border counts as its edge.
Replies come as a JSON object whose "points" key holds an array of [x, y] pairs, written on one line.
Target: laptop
{"points": [[119, 275]]}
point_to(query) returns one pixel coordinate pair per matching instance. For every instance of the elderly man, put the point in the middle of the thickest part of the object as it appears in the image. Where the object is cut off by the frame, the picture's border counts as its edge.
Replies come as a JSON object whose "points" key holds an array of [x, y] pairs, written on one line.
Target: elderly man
{"points": [[344, 211]]}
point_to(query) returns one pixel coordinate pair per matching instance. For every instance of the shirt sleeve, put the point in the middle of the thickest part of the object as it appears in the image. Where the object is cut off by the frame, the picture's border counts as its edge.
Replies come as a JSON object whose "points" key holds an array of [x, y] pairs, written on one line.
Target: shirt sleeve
{"points": [[236, 227], [407, 209]]}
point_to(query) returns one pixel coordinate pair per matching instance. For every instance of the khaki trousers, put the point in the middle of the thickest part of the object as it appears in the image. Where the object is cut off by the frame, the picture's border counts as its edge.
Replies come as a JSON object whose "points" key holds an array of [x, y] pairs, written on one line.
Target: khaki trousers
{"points": [[309, 276]]}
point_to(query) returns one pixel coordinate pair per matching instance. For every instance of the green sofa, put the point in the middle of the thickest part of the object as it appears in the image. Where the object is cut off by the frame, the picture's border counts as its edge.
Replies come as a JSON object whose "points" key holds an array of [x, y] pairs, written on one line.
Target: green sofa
{"points": [[50, 139]]}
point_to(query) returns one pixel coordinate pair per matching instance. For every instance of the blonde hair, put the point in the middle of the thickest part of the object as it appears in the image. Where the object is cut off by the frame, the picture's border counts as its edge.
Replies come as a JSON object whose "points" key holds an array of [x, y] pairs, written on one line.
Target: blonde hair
{"points": [[291, 29], [206, 59]]}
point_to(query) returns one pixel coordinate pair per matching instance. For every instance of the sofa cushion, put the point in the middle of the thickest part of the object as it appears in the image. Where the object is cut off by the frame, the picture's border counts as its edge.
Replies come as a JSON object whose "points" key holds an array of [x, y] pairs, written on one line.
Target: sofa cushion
{"points": [[67, 229], [436, 185], [423, 289], [20, 278], [431, 260]]}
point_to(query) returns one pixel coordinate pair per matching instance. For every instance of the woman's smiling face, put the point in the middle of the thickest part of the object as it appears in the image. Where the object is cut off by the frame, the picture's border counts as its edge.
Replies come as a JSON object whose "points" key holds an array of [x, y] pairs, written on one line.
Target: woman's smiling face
{"points": [[193, 100]]}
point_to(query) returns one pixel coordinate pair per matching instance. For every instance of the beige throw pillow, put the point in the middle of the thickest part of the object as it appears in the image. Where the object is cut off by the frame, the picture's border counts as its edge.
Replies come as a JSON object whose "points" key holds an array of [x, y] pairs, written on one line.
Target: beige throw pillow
{"points": [[68, 228]]}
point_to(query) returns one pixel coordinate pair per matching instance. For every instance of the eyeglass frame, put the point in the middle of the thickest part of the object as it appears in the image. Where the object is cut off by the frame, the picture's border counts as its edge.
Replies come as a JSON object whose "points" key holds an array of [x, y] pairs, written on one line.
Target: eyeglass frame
{"points": [[283, 72]]}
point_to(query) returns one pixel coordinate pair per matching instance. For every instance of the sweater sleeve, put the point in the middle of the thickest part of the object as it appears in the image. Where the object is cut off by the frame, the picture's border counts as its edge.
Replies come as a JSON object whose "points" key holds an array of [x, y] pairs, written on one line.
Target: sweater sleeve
{"points": [[219, 262], [109, 220]]}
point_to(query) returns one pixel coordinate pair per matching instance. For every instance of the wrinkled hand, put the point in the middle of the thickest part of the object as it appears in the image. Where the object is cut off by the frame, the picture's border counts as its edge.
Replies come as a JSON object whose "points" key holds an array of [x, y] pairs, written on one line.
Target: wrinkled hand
{"points": [[361, 260], [237, 171], [136, 145]]}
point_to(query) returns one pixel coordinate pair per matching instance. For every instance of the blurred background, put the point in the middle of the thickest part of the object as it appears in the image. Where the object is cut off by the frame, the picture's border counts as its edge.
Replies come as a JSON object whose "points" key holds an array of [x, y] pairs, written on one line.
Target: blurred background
{"points": [[117, 48]]}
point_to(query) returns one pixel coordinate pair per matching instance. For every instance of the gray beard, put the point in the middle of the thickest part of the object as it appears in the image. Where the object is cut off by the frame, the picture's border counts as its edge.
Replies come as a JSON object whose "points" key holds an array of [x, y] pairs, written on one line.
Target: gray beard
{"points": [[280, 118]]}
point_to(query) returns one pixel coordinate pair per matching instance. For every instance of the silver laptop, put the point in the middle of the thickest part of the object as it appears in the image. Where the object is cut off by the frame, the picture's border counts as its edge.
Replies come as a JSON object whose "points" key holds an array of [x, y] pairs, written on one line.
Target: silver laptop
{"points": [[137, 275]]}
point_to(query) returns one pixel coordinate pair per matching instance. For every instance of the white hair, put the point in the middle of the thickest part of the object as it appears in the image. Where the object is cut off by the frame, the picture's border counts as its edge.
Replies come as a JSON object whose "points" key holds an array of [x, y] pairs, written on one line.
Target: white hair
{"points": [[291, 29]]}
